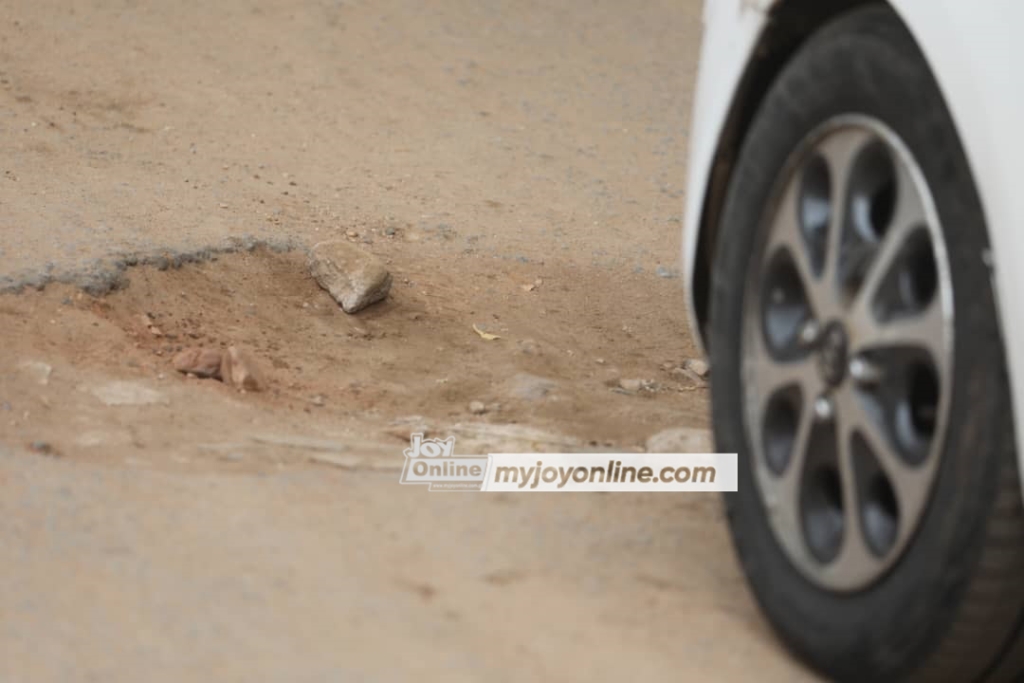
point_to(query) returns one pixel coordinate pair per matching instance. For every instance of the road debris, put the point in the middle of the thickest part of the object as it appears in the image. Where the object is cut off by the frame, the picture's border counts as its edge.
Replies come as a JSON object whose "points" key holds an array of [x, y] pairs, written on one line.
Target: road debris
{"points": [[681, 440], [238, 368], [150, 324], [633, 386], [200, 362], [487, 336], [352, 276], [698, 366]]}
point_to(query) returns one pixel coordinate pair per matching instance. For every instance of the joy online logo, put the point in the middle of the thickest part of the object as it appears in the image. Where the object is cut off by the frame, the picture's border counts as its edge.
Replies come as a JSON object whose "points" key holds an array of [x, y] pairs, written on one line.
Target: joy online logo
{"points": [[433, 462]]}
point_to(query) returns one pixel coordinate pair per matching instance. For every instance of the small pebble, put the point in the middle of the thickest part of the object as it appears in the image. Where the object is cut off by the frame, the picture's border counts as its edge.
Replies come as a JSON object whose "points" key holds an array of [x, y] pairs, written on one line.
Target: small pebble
{"points": [[631, 384], [698, 366], [635, 385], [239, 369], [43, 447]]}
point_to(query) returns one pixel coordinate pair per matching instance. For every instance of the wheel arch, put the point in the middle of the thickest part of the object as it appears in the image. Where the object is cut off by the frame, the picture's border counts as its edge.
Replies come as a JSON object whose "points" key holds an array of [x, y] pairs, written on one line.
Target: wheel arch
{"points": [[788, 24]]}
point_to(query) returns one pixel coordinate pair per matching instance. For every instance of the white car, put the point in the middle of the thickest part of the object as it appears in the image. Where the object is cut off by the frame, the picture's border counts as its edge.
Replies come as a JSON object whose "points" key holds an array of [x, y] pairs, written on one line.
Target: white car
{"points": [[854, 252]]}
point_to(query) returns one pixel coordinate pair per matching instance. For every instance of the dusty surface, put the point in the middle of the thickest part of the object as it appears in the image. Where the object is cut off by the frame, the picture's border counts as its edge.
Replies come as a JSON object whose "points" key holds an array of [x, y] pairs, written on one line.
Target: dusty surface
{"points": [[519, 167]]}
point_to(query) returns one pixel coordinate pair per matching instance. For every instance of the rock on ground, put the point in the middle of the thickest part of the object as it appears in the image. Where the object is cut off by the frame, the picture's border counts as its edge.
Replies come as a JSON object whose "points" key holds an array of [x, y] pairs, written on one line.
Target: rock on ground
{"points": [[698, 367], [199, 362], [353, 277], [634, 385], [238, 368], [631, 384], [681, 440]]}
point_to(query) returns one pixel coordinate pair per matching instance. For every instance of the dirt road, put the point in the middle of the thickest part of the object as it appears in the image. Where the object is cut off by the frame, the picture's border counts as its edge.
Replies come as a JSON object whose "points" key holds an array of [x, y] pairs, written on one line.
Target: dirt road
{"points": [[519, 165]]}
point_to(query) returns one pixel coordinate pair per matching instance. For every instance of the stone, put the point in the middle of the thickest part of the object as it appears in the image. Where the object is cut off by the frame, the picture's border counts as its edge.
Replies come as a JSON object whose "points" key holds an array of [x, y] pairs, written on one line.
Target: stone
{"points": [[687, 373], [352, 276], [632, 385], [477, 407], [681, 440], [698, 367], [238, 368], [201, 362]]}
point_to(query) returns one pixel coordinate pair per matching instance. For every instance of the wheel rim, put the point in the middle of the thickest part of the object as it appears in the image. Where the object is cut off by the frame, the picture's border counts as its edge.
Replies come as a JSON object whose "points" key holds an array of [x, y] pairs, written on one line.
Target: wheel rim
{"points": [[848, 352]]}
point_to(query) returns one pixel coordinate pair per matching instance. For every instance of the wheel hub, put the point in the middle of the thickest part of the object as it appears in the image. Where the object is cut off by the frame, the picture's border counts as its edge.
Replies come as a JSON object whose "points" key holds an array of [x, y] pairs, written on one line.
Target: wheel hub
{"points": [[833, 350], [847, 353]]}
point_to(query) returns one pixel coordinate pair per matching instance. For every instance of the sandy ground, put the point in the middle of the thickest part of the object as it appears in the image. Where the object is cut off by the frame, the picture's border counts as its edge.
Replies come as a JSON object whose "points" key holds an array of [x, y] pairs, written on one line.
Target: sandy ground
{"points": [[519, 166]]}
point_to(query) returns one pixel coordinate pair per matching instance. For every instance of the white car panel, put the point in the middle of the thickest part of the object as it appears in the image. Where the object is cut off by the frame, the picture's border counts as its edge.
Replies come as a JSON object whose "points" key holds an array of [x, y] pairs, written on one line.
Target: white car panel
{"points": [[731, 30]]}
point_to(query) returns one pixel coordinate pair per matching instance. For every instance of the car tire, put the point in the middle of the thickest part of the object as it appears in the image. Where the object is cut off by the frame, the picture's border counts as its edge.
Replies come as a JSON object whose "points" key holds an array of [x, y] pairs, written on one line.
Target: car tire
{"points": [[950, 607]]}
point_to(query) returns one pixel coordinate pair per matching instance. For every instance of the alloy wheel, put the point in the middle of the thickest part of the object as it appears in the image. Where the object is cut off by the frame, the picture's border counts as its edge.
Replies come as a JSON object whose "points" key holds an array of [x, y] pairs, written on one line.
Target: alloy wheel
{"points": [[847, 352]]}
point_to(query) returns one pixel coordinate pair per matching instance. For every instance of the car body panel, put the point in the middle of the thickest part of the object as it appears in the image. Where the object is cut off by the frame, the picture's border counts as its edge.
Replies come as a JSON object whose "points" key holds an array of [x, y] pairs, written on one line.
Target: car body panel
{"points": [[972, 48], [731, 31]]}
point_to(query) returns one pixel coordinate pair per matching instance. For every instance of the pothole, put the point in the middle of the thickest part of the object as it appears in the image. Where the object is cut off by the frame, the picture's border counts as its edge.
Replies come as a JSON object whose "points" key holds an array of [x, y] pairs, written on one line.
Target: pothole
{"points": [[333, 375]]}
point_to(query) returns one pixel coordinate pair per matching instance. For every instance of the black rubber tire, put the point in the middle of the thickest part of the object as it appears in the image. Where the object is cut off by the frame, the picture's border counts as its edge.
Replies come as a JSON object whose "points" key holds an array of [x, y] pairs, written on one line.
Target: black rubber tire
{"points": [[950, 609]]}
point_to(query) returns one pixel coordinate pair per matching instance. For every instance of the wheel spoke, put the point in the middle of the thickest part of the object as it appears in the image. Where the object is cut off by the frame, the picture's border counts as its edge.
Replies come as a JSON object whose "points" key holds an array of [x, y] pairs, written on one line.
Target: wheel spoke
{"points": [[908, 214], [771, 375], [854, 556], [924, 330], [909, 218], [766, 378], [782, 497], [839, 151], [787, 234], [909, 484]]}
